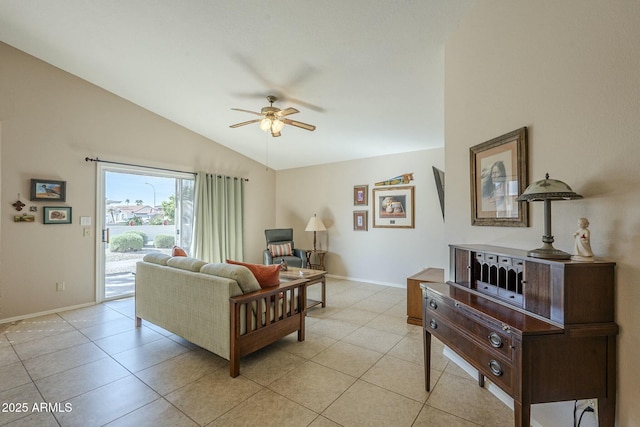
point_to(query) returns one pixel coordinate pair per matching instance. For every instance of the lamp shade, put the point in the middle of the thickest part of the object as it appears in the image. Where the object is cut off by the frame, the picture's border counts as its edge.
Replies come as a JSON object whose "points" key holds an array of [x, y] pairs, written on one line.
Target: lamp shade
{"points": [[315, 224], [548, 189]]}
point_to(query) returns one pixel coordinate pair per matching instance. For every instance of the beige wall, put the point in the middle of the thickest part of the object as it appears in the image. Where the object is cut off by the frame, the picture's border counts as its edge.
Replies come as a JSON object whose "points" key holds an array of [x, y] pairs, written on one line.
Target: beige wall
{"points": [[51, 121], [380, 255], [568, 71]]}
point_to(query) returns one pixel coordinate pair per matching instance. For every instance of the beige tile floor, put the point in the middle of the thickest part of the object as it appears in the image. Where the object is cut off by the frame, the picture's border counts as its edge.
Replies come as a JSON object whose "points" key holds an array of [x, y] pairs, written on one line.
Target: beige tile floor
{"points": [[360, 365]]}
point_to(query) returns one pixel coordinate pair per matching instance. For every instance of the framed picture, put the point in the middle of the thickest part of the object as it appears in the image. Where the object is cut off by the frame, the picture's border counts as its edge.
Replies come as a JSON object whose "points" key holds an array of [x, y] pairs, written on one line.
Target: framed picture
{"points": [[393, 207], [439, 177], [56, 215], [498, 176], [48, 190], [360, 193], [360, 220]]}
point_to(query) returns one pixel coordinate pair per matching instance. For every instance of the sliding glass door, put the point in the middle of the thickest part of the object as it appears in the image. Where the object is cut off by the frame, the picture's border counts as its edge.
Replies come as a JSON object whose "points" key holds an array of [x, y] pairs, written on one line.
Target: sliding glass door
{"points": [[140, 211]]}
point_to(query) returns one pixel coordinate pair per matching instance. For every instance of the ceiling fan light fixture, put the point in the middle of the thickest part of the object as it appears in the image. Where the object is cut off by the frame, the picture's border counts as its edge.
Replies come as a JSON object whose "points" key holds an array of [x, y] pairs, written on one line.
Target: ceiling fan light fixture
{"points": [[265, 124], [272, 119], [277, 126]]}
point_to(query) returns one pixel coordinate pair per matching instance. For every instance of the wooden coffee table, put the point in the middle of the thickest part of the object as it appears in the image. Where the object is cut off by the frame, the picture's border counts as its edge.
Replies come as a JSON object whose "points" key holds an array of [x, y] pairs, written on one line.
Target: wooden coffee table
{"points": [[313, 277]]}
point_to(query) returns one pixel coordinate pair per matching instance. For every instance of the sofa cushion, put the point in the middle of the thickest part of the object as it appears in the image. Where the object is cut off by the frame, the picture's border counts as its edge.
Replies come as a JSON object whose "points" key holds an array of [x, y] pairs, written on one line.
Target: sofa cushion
{"points": [[156, 258], [281, 250], [267, 275], [178, 251], [245, 278], [185, 263]]}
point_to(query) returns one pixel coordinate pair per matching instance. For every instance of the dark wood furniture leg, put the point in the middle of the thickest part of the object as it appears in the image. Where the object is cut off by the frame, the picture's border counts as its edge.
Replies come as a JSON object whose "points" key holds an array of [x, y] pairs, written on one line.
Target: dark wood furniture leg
{"points": [[427, 360]]}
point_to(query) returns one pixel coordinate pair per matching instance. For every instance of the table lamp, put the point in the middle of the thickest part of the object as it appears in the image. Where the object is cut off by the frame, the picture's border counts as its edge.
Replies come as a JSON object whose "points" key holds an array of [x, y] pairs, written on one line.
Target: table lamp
{"points": [[315, 224], [547, 190]]}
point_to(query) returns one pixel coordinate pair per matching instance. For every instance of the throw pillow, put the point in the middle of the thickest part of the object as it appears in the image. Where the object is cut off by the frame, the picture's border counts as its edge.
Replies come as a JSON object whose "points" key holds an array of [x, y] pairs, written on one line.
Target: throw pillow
{"points": [[281, 250], [178, 251], [267, 275]]}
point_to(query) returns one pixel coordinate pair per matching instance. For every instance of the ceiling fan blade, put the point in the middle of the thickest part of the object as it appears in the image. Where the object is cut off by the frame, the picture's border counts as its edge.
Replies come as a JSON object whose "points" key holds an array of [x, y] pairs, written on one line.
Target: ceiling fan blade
{"points": [[245, 123], [247, 111], [299, 124], [286, 112]]}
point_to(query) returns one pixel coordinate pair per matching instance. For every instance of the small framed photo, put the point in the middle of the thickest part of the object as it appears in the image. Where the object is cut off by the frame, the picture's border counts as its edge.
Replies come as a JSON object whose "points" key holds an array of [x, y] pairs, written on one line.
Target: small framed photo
{"points": [[46, 190], [360, 220], [360, 193], [498, 176], [56, 215], [393, 207]]}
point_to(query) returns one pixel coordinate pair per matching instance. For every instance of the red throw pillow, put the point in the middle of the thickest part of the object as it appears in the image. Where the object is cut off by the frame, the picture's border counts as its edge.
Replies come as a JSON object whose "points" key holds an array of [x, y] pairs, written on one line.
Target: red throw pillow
{"points": [[178, 251], [266, 275]]}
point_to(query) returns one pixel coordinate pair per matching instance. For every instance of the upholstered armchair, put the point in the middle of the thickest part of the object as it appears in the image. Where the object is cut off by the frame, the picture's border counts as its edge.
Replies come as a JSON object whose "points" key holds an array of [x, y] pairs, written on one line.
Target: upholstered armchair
{"points": [[280, 246]]}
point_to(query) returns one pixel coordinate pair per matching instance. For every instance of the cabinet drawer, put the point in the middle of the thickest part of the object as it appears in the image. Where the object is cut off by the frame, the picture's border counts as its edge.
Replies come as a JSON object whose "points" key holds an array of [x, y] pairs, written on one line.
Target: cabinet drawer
{"points": [[496, 369], [491, 334]]}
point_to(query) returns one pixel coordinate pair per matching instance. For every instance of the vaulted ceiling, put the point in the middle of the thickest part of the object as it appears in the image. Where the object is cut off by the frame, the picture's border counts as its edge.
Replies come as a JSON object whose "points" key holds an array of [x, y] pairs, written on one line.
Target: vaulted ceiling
{"points": [[368, 73]]}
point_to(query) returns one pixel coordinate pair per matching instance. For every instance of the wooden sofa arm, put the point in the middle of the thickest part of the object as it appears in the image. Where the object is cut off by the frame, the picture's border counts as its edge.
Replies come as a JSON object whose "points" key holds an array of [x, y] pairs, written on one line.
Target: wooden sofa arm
{"points": [[268, 315], [263, 293]]}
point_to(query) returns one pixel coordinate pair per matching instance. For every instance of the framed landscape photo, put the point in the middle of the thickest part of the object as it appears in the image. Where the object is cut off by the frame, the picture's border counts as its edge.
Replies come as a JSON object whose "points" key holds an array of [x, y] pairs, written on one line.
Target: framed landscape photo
{"points": [[56, 215], [498, 177], [360, 220], [360, 193], [393, 207], [46, 190]]}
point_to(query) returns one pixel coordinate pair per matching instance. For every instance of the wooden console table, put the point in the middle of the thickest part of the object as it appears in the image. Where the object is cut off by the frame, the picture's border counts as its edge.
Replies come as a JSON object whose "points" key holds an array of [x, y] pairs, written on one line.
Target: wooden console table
{"points": [[414, 293], [541, 330]]}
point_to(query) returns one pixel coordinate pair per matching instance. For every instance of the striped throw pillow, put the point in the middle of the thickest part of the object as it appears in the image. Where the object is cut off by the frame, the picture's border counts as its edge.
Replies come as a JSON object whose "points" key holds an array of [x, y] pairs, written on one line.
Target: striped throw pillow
{"points": [[281, 250]]}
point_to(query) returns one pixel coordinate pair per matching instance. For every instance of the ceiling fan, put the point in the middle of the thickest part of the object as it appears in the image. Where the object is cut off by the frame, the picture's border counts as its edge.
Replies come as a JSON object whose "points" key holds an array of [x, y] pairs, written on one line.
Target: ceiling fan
{"points": [[273, 119]]}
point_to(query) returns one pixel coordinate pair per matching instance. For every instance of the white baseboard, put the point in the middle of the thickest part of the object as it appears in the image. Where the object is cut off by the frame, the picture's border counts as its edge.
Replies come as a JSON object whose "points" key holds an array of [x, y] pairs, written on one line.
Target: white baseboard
{"points": [[45, 313], [373, 282]]}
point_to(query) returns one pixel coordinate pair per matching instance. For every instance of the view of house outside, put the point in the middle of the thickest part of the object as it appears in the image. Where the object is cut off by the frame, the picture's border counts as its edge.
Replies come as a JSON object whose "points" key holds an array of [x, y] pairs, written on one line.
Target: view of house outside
{"points": [[140, 213]]}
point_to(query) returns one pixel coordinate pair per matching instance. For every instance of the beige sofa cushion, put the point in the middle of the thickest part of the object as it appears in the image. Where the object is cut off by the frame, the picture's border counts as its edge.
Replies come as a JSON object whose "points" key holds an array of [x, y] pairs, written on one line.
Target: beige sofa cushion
{"points": [[156, 258], [245, 278], [186, 263]]}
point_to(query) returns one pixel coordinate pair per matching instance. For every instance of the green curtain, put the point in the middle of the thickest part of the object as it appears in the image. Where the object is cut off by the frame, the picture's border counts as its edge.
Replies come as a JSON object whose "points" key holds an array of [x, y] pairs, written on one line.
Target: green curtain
{"points": [[218, 222]]}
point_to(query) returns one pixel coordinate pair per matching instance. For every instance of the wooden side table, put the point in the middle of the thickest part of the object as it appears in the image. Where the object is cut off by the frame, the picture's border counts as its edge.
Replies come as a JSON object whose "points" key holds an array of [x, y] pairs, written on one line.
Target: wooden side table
{"points": [[313, 277], [414, 292], [319, 265]]}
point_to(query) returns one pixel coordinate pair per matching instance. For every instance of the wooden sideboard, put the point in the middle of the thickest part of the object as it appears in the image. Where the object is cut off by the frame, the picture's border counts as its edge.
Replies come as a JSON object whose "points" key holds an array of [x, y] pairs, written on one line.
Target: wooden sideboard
{"points": [[541, 330], [414, 293]]}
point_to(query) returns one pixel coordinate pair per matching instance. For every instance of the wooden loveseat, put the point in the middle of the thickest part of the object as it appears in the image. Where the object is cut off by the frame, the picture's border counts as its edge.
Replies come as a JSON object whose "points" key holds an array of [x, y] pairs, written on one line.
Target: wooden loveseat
{"points": [[219, 307]]}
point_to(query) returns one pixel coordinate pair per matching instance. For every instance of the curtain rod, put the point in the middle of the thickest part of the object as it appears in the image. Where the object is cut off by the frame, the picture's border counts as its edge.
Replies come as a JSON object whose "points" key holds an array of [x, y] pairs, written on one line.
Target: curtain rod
{"points": [[89, 159]]}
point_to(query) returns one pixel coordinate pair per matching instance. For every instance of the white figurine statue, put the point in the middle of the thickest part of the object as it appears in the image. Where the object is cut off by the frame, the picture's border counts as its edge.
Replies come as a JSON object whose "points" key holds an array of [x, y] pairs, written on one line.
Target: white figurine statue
{"points": [[582, 247]]}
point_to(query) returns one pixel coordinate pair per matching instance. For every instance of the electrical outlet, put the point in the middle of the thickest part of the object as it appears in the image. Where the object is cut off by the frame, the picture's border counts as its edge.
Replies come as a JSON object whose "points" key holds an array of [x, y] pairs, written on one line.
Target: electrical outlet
{"points": [[59, 286]]}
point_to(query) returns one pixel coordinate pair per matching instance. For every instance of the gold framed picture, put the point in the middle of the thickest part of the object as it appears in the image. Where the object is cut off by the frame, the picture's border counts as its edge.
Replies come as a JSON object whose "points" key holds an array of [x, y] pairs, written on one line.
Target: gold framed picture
{"points": [[393, 207], [498, 176], [360, 220], [360, 193]]}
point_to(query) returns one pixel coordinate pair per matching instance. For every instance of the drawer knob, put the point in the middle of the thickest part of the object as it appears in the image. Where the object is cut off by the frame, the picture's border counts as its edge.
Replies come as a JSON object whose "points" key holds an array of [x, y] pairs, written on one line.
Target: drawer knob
{"points": [[457, 304], [495, 340], [433, 324], [495, 367], [433, 304]]}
